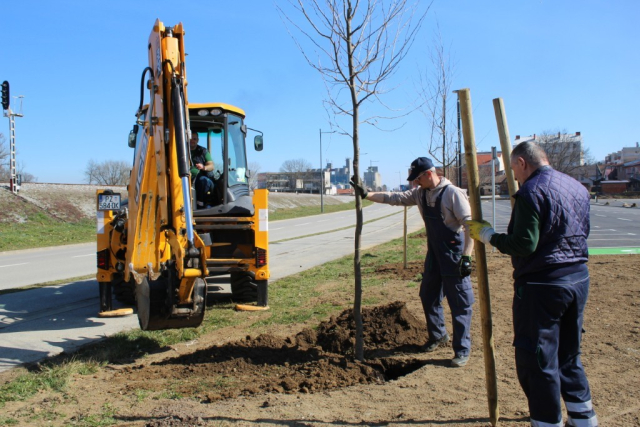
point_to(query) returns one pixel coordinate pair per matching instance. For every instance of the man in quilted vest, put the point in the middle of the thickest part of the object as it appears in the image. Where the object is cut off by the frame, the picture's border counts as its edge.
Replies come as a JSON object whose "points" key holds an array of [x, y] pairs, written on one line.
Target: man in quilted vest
{"points": [[444, 209], [547, 241]]}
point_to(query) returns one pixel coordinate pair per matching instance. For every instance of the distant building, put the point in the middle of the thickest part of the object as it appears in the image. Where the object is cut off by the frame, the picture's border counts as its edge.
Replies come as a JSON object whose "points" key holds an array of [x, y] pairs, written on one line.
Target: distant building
{"points": [[336, 180], [483, 159], [372, 178], [626, 155], [565, 150], [291, 182]]}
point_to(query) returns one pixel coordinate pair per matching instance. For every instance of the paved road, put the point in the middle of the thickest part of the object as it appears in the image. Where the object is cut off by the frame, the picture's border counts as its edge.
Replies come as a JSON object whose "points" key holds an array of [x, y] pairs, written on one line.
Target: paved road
{"points": [[28, 267], [33, 266], [612, 225], [43, 322]]}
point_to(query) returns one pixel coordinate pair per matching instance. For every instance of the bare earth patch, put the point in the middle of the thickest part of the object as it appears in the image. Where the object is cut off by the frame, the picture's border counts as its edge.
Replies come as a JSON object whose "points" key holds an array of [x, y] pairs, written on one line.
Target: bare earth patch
{"points": [[305, 375]]}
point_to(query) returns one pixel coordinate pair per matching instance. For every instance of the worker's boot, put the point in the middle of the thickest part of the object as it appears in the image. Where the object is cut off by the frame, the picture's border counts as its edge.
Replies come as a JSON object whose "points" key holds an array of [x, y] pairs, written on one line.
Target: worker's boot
{"points": [[433, 344]]}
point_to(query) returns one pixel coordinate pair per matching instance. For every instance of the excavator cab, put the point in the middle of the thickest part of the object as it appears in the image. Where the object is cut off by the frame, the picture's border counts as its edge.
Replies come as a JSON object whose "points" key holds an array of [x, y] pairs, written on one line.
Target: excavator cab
{"points": [[234, 227], [221, 130]]}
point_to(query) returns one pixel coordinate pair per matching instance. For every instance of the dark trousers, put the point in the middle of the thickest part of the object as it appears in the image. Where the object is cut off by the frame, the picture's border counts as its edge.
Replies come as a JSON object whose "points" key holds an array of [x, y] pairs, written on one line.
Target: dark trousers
{"points": [[460, 298], [547, 320], [204, 190]]}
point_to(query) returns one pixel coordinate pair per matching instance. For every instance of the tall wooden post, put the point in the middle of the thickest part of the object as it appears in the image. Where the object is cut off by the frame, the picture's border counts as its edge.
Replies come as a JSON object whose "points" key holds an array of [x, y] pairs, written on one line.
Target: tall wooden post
{"points": [[505, 144], [405, 239], [481, 256]]}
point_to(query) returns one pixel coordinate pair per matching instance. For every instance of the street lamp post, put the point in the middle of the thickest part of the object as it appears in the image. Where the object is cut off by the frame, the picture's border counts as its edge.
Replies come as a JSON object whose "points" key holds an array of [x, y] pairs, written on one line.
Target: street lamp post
{"points": [[459, 156], [322, 173]]}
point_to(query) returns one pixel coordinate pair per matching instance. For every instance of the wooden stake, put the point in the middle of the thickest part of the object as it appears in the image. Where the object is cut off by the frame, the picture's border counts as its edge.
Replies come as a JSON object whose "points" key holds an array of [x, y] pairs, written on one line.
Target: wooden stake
{"points": [[481, 256], [505, 144], [405, 238]]}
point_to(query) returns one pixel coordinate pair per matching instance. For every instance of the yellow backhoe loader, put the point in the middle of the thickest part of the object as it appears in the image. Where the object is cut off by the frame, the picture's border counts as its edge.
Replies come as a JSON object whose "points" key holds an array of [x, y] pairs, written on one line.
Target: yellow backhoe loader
{"points": [[160, 249]]}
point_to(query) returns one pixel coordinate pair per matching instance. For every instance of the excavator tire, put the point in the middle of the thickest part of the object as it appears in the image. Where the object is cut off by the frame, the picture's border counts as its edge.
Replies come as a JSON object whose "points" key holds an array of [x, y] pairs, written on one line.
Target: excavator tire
{"points": [[124, 292], [153, 312], [243, 288]]}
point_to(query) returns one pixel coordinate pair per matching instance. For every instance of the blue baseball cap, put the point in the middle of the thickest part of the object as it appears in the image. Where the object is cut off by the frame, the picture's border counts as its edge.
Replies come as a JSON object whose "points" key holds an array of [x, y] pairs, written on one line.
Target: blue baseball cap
{"points": [[418, 166]]}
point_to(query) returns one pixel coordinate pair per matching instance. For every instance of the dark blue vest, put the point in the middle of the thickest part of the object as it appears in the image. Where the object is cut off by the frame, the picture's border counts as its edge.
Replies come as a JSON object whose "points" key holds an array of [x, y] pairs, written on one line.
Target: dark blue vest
{"points": [[443, 245], [562, 204]]}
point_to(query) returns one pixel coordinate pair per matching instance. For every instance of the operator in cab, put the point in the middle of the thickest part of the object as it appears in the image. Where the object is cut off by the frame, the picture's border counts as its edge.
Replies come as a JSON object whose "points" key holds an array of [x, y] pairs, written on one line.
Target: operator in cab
{"points": [[201, 167]]}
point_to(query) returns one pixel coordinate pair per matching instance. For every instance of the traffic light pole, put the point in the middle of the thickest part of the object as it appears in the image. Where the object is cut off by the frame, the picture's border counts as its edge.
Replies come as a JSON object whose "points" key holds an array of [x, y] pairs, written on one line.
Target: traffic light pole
{"points": [[6, 107], [13, 185]]}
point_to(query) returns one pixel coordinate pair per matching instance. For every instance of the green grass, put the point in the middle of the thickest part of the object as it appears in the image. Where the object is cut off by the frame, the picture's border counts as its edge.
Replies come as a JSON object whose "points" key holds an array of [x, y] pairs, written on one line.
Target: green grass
{"points": [[40, 230], [292, 300], [54, 377], [106, 417], [45, 284], [301, 211]]}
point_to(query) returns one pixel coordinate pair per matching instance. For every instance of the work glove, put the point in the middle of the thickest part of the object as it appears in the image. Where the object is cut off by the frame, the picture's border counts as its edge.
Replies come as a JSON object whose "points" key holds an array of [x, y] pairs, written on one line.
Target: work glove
{"points": [[358, 187], [465, 266], [481, 231]]}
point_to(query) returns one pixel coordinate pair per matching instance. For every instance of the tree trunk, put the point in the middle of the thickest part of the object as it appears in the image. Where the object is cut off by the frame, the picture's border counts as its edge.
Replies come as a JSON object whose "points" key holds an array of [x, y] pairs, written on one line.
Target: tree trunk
{"points": [[357, 272]]}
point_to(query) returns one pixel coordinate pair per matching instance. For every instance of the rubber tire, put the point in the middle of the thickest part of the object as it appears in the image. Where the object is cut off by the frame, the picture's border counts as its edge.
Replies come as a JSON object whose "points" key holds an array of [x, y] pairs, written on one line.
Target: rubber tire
{"points": [[124, 292], [243, 288]]}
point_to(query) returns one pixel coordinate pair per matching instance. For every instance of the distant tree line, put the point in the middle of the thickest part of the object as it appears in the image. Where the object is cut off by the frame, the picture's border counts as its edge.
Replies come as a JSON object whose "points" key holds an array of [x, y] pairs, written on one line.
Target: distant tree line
{"points": [[108, 172], [5, 166]]}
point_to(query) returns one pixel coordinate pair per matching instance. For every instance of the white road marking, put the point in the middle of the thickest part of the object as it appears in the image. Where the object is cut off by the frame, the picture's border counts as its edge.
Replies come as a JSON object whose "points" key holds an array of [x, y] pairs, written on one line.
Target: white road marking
{"points": [[300, 225], [604, 216], [620, 238], [81, 256], [13, 265], [625, 219]]}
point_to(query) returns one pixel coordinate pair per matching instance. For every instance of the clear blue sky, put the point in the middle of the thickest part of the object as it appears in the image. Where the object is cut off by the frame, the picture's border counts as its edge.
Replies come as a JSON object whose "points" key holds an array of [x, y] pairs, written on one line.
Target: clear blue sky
{"points": [[559, 65]]}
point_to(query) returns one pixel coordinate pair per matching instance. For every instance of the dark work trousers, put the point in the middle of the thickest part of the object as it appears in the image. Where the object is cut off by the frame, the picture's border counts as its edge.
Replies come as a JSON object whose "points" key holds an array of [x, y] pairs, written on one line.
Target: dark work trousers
{"points": [[441, 277], [204, 190], [547, 320]]}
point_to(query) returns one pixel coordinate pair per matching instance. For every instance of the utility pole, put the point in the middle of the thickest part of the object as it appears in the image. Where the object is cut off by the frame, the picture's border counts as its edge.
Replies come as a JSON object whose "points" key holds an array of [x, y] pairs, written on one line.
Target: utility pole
{"points": [[7, 112], [494, 157], [322, 173], [459, 156]]}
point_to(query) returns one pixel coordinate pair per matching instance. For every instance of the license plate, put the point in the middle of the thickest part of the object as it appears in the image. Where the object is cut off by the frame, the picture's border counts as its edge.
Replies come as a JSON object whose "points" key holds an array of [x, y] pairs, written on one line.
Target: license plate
{"points": [[108, 202]]}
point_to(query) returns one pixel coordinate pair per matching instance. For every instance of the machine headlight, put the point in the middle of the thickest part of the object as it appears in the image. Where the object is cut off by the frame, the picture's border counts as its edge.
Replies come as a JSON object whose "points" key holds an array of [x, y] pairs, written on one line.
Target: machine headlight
{"points": [[203, 112], [216, 112]]}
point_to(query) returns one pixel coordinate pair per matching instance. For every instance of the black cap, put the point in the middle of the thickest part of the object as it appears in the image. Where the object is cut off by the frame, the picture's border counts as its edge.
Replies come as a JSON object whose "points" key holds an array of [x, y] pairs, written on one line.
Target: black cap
{"points": [[418, 166]]}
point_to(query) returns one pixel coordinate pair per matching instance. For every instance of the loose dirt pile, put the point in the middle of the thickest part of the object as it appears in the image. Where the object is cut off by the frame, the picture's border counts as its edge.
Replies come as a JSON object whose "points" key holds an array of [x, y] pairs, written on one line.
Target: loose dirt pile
{"points": [[311, 361]]}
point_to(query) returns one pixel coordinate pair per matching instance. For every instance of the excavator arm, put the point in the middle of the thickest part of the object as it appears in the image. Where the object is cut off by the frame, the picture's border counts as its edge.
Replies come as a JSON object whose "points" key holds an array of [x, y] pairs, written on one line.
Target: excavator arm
{"points": [[165, 257], [153, 249]]}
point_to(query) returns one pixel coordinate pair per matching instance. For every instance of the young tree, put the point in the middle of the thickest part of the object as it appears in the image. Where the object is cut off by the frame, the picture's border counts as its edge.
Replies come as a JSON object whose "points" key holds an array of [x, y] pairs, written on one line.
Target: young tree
{"points": [[5, 167], [295, 166], [108, 172], [359, 46], [4, 159], [565, 151], [254, 170], [24, 175], [435, 89]]}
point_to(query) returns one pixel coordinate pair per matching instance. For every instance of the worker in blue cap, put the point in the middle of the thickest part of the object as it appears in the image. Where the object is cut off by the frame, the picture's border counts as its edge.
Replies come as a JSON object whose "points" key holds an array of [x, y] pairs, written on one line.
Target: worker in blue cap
{"points": [[444, 208]]}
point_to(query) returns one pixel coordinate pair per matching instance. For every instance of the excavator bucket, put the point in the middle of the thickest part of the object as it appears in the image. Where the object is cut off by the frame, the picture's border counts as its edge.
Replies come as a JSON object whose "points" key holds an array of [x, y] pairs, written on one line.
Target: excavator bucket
{"points": [[155, 311]]}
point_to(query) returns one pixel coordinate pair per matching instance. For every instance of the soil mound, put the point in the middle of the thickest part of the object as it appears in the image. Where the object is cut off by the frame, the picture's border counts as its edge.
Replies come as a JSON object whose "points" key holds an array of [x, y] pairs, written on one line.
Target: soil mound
{"points": [[311, 361], [387, 327]]}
